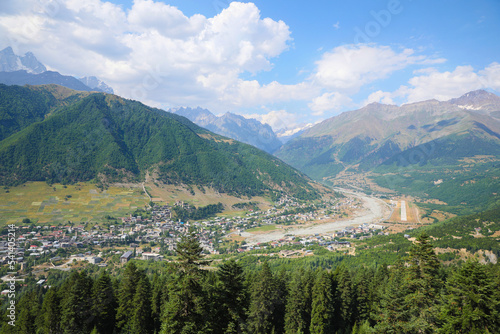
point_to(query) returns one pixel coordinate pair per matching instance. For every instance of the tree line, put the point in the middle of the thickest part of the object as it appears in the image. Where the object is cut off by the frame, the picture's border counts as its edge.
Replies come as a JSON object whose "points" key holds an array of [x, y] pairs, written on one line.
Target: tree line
{"points": [[415, 295]]}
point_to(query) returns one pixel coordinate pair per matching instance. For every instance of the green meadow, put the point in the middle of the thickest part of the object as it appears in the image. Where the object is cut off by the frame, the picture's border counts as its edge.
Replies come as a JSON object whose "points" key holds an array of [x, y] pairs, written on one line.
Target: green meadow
{"points": [[82, 202], [264, 228]]}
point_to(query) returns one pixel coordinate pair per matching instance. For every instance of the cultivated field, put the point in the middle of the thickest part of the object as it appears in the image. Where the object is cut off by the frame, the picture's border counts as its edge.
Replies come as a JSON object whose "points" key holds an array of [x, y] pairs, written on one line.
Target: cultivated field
{"points": [[84, 202], [58, 204], [169, 194]]}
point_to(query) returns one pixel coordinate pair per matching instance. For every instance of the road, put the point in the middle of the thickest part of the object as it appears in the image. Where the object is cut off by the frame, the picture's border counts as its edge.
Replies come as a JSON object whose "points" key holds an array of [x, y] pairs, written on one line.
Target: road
{"points": [[374, 210]]}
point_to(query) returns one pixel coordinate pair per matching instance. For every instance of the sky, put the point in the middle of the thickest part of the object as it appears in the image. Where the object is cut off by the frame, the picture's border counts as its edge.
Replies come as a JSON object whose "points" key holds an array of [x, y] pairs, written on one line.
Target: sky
{"points": [[285, 63]]}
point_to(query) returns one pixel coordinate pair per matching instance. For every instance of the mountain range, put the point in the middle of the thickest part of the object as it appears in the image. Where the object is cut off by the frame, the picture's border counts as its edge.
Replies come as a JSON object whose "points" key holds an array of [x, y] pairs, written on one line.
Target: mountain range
{"points": [[54, 134], [247, 130], [417, 139], [27, 70], [22, 70]]}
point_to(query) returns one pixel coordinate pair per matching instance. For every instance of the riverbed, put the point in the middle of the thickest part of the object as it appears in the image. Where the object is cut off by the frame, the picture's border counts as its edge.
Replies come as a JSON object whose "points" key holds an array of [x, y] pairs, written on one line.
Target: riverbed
{"points": [[374, 210]]}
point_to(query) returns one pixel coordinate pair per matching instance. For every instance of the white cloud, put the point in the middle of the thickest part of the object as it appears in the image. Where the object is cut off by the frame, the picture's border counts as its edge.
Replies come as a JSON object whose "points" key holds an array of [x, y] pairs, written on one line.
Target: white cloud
{"points": [[425, 70], [490, 76], [429, 83], [348, 68], [442, 85], [380, 97], [328, 102], [167, 20], [152, 52], [253, 94], [277, 119]]}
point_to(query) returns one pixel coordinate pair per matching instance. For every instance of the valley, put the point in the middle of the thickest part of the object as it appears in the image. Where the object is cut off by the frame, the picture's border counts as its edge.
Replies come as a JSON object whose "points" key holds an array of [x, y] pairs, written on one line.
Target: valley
{"points": [[241, 167], [367, 211]]}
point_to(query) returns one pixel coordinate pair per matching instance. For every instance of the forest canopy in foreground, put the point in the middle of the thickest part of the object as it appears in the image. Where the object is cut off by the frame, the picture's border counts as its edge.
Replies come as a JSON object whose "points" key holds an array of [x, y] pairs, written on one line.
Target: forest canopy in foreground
{"points": [[416, 295]]}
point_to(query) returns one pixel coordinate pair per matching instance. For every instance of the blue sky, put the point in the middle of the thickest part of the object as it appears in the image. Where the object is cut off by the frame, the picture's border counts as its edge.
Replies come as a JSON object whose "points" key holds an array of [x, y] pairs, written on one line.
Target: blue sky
{"points": [[283, 62]]}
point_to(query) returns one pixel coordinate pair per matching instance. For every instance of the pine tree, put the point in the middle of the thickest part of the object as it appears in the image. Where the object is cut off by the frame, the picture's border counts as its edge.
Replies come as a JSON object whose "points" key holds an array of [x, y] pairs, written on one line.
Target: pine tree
{"points": [[264, 300], [322, 305], [189, 252], [344, 301], [378, 284], [391, 314], [186, 307], [231, 297], [126, 293], [77, 316], [423, 285], [299, 303], [471, 305], [364, 297], [364, 328], [50, 316], [104, 304], [141, 321], [281, 281], [29, 309], [159, 294]]}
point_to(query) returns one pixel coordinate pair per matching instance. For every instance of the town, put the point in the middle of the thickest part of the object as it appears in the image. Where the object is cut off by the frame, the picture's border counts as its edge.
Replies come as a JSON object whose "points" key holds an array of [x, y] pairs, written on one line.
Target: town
{"points": [[153, 232]]}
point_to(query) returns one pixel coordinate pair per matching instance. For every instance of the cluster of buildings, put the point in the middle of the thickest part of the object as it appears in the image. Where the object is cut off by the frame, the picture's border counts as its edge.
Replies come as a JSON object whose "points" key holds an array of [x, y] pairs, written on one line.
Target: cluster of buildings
{"points": [[159, 228]]}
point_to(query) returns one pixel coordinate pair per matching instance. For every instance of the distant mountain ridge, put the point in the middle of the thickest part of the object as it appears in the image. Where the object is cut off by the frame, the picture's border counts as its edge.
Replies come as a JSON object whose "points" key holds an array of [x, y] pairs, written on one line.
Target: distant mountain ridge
{"points": [[96, 84], [23, 77], [237, 127], [370, 136], [287, 134], [27, 70], [411, 145]]}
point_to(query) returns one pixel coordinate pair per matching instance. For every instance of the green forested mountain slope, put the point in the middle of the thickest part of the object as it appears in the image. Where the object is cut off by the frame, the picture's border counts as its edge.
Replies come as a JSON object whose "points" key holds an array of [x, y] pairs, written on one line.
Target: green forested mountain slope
{"points": [[70, 137], [21, 106]]}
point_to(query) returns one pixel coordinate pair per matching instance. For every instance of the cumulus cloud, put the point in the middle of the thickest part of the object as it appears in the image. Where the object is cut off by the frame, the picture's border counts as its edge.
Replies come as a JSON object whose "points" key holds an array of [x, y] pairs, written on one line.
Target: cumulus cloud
{"points": [[347, 68], [490, 76], [152, 52], [328, 102], [277, 119], [380, 97], [167, 20], [430, 83], [442, 85]]}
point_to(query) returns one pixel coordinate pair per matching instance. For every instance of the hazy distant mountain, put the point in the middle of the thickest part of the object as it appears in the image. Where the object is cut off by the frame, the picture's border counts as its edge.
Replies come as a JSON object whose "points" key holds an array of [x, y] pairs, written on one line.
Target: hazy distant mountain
{"points": [[199, 116], [288, 134], [27, 70], [246, 130], [10, 62], [22, 78], [445, 150], [378, 134], [96, 84]]}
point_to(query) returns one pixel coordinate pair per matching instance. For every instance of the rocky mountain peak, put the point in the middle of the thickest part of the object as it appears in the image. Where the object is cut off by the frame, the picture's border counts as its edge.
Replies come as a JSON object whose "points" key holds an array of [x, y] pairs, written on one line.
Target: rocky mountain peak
{"points": [[478, 100], [10, 62]]}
